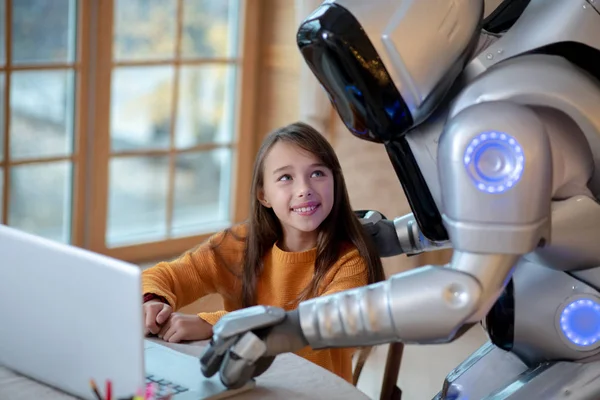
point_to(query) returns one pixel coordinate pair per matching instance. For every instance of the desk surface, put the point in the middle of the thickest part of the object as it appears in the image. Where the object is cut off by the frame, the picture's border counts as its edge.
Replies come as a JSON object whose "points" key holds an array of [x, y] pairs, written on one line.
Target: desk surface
{"points": [[289, 377]]}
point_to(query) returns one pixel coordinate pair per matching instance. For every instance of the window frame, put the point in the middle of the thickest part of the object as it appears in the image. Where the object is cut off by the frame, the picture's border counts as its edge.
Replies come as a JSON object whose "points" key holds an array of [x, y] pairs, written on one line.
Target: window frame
{"points": [[93, 183]]}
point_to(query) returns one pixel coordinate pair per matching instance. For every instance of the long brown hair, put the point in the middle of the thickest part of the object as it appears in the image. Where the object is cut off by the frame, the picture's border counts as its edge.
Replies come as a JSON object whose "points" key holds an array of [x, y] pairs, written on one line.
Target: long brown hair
{"points": [[341, 227]]}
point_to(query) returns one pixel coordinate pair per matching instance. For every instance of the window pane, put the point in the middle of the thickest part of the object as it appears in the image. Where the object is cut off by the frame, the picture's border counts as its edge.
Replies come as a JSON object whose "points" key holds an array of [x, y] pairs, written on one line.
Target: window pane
{"points": [[137, 201], [144, 29], [202, 184], [206, 105], [1, 117], [41, 112], [2, 32], [210, 28], [141, 107], [40, 199], [43, 31]]}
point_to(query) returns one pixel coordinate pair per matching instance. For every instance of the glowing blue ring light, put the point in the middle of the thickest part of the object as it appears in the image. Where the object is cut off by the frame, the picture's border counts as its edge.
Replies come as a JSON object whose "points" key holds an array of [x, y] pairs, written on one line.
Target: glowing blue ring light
{"points": [[494, 161], [579, 323]]}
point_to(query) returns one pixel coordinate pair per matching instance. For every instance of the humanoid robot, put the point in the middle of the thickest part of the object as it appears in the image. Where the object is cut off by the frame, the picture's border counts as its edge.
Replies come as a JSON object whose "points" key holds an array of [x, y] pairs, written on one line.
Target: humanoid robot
{"points": [[497, 151]]}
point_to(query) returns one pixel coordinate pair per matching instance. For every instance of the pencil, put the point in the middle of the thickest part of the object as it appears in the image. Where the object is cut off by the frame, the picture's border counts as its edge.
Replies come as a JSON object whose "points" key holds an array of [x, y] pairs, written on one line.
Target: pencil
{"points": [[95, 389], [150, 391], [108, 390]]}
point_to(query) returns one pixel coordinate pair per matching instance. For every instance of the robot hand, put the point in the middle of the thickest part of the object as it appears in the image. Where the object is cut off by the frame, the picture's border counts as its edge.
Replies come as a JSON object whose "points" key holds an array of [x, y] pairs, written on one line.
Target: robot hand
{"points": [[245, 343], [382, 232], [400, 236]]}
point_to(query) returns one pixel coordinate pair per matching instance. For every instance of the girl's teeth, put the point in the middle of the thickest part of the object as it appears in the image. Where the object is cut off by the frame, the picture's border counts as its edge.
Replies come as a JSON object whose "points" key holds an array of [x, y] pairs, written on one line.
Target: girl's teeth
{"points": [[305, 209]]}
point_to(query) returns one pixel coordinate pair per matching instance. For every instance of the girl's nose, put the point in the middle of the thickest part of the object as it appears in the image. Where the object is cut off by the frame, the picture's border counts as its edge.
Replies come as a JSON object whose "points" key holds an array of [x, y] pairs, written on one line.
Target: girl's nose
{"points": [[305, 191]]}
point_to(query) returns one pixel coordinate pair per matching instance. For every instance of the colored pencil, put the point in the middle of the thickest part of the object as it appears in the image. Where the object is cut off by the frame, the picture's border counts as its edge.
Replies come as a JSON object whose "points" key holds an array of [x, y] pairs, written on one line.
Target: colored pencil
{"points": [[95, 389]]}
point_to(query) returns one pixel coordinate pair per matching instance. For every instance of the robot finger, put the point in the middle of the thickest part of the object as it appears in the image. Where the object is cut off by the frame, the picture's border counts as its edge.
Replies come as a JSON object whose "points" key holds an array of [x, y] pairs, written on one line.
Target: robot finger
{"points": [[210, 362], [235, 371], [213, 356], [239, 364]]}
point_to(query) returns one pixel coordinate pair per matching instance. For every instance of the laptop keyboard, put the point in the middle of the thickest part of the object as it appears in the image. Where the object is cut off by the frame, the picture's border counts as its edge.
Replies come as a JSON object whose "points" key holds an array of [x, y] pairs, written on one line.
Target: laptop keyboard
{"points": [[164, 387]]}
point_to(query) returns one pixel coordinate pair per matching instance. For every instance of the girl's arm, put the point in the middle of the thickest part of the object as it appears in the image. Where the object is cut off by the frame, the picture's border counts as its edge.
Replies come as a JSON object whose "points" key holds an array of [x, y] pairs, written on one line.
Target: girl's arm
{"points": [[196, 273]]}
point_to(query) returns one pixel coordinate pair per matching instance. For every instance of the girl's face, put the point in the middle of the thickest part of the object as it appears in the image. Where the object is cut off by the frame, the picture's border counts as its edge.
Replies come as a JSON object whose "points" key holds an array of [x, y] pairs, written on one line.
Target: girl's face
{"points": [[298, 187]]}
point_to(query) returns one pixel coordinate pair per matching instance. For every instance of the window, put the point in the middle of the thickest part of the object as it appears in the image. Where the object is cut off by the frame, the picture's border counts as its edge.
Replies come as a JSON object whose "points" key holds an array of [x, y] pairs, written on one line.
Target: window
{"points": [[123, 121]]}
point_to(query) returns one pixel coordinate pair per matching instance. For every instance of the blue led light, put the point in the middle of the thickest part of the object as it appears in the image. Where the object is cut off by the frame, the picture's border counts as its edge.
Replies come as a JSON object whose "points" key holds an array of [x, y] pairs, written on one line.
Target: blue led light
{"points": [[580, 322], [494, 161], [455, 392]]}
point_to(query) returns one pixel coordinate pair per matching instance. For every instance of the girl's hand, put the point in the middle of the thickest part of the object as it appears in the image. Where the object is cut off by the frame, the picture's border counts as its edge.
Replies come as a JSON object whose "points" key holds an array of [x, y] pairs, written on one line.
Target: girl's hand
{"points": [[155, 314], [184, 327]]}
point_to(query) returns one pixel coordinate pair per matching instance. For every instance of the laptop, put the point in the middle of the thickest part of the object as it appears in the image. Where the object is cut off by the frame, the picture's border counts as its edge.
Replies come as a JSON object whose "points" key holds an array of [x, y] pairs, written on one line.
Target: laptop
{"points": [[68, 316]]}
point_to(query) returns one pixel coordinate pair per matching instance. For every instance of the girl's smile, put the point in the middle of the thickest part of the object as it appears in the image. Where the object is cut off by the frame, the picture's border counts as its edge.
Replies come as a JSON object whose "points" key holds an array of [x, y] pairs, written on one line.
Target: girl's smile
{"points": [[306, 209]]}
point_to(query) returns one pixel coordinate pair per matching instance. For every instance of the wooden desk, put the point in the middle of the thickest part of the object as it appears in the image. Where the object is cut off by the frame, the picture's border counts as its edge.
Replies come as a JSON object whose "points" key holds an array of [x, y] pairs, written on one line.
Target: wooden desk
{"points": [[289, 377]]}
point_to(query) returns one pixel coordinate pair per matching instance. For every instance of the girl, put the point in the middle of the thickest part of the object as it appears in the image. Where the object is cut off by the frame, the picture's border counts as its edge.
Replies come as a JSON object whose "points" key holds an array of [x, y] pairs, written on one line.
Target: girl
{"points": [[302, 240]]}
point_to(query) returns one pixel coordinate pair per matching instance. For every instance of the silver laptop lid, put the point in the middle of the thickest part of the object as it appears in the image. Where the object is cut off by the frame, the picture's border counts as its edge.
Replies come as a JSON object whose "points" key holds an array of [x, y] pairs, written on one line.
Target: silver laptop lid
{"points": [[68, 315]]}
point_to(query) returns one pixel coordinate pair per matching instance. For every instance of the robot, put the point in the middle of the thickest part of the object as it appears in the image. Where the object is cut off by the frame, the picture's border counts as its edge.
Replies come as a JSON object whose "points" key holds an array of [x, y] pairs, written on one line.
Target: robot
{"points": [[496, 147]]}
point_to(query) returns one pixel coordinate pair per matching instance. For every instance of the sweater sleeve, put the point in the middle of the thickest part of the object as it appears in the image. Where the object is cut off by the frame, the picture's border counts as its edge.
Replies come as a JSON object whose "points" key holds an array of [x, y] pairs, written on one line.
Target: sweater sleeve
{"points": [[212, 317], [197, 272], [351, 273]]}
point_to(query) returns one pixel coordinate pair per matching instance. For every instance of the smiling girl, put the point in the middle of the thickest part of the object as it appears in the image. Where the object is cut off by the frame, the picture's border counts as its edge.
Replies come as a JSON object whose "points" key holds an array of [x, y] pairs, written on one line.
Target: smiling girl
{"points": [[302, 240]]}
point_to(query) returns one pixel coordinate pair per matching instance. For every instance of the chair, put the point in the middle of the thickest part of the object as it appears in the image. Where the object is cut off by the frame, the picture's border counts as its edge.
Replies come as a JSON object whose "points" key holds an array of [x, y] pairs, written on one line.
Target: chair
{"points": [[389, 385]]}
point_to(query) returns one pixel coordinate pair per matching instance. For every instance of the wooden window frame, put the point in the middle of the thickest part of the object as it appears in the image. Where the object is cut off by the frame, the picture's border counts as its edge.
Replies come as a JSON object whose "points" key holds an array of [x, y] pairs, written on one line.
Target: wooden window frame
{"points": [[94, 188]]}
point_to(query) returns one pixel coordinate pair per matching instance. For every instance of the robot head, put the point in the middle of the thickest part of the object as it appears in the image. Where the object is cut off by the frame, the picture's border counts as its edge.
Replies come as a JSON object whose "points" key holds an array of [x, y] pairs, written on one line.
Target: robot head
{"points": [[386, 64]]}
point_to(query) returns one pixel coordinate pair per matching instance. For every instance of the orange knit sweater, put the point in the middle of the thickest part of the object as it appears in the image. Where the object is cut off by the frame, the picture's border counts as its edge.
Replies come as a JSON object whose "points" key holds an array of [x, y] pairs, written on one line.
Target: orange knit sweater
{"points": [[200, 271]]}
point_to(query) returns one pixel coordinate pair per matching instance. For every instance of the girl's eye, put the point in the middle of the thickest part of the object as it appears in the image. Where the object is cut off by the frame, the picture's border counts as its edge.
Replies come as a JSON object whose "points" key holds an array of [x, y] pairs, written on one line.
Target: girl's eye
{"points": [[318, 173], [284, 177]]}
